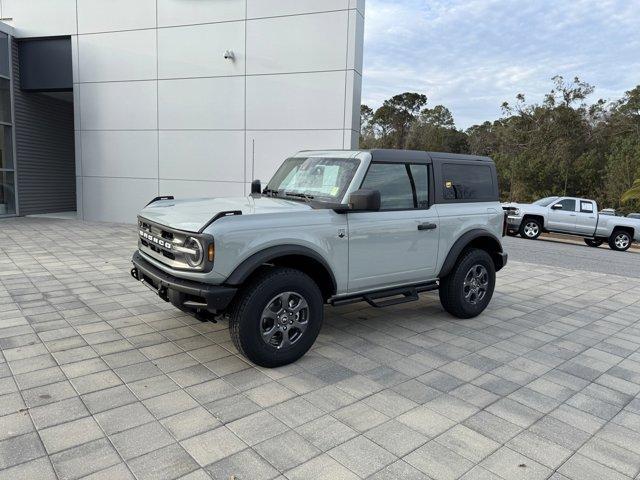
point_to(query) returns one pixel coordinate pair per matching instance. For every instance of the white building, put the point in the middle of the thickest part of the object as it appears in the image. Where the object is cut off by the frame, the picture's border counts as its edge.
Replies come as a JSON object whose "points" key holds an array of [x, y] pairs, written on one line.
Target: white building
{"points": [[177, 97]]}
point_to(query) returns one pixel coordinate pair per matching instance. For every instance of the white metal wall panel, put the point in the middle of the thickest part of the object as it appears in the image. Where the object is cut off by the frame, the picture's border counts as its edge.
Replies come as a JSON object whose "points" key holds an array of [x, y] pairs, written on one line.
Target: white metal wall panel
{"points": [[117, 56], [113, 15], [298, 43], [158, 110], [198, 50], [191, 12]]}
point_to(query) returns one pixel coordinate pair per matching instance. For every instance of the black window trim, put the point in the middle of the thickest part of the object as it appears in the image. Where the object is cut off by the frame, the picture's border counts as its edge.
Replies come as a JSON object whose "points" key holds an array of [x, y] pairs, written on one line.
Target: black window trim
{"points": [[411, 180]]}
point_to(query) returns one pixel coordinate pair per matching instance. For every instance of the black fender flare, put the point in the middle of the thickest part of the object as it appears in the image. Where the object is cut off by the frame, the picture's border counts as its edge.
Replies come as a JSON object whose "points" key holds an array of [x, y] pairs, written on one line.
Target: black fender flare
{"points": [[464, 241], [249, 265]]}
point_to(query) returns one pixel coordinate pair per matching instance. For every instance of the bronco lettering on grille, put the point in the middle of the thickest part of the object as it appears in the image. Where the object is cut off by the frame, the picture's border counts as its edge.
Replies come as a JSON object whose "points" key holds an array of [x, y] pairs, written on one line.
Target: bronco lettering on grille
{"points": [[156, 240]]}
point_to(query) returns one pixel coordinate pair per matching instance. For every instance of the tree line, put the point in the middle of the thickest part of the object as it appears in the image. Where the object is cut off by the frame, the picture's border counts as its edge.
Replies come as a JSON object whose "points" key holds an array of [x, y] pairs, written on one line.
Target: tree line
{"points": [[564, 145]]}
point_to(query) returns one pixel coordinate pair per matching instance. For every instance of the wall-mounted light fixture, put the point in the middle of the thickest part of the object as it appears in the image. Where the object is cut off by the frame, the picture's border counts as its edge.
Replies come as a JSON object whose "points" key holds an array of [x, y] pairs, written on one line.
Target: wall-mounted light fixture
{"points": [[228, 55]]}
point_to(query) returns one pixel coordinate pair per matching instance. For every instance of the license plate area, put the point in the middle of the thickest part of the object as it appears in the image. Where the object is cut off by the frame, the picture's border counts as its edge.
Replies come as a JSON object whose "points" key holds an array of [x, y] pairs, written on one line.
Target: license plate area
{"points": [[155, 287]]}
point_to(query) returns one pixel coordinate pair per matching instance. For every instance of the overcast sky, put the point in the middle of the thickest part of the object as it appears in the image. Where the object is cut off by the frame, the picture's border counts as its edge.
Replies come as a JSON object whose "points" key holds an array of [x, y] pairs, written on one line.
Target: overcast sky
{"points": [[471, 55]]}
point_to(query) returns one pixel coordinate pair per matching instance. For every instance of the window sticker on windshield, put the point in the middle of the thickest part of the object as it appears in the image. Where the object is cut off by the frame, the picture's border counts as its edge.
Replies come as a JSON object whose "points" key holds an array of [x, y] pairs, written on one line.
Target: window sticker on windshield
{"points": [[335, 190]]}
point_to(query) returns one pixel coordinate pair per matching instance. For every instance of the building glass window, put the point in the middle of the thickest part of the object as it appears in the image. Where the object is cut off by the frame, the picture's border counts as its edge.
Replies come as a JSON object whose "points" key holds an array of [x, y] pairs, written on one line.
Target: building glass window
{"points": [[7, 163], [4, 55], [5, 100], [7, 193], [6, 148]]}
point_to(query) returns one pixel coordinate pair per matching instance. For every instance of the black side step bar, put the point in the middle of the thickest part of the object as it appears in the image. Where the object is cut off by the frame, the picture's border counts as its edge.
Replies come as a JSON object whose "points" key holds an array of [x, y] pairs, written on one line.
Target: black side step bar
{"points": [[401, 294]]}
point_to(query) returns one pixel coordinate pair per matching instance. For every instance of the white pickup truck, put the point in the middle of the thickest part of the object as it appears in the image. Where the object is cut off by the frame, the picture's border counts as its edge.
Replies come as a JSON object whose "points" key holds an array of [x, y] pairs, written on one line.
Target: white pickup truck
{"points": [[573, 216]]}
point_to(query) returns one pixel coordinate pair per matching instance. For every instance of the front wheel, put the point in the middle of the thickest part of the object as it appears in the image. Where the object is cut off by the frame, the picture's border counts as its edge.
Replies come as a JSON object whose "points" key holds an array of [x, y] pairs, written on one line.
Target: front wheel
{"points": [[530, 228], [467, 290], [620, 240], [593, 243], [277, 317]]}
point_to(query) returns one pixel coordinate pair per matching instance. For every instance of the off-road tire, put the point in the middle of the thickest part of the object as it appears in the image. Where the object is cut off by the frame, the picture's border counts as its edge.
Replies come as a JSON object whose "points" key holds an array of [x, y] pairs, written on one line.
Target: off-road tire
{"points": [[615, 236], [451, 289], [593, 243], [247, 308], [525, 223]]}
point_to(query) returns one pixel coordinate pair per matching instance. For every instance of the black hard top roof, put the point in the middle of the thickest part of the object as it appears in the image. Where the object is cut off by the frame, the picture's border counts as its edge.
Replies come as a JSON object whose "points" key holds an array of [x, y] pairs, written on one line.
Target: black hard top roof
{"points": [[384, 155]]}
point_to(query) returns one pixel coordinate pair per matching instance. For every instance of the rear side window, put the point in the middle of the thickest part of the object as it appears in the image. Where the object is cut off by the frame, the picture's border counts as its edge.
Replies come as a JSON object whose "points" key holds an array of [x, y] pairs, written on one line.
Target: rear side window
{"points": [[467, 182], [586, 207]]}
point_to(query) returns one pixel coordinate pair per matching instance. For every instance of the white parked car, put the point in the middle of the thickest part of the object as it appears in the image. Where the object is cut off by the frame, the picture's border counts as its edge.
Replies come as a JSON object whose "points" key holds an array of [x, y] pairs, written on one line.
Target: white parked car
{"points": [[573, 216]]}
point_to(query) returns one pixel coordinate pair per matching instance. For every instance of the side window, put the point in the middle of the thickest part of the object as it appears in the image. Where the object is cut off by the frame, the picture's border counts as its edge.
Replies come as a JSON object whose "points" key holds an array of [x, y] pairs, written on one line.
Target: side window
{"points": [[567, 204], [421, 181], [463, 181], [394, 184], [586, 206]]}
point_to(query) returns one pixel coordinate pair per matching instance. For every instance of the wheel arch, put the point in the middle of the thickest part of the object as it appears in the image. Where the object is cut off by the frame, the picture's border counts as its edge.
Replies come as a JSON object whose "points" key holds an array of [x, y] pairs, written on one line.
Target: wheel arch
{"points": [[476, 238], [293, 256], [630, 230], [534, 216]]}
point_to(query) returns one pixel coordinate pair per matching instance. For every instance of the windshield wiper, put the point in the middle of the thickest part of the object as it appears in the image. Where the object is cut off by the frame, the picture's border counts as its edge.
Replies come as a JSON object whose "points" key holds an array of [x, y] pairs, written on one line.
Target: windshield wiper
{"points": [[308, 198], [270, 192]]}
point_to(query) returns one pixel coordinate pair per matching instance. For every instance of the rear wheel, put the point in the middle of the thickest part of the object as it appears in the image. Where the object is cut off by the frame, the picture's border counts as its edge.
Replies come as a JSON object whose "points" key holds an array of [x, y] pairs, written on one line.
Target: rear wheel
{"points": [[592, 242], [468, 288], [277, 316], [620, 240], [530, 228]]}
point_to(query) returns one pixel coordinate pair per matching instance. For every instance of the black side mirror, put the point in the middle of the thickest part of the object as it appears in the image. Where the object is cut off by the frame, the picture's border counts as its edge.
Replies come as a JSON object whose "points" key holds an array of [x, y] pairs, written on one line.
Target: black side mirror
{"points": [[557, 206], [256, 187], [365, 200]]}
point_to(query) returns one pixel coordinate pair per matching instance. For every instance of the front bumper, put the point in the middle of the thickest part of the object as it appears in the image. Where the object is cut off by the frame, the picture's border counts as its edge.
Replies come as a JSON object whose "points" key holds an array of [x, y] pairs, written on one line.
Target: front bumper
{"points": [[513, 222], [183, 294], [501, 260]]}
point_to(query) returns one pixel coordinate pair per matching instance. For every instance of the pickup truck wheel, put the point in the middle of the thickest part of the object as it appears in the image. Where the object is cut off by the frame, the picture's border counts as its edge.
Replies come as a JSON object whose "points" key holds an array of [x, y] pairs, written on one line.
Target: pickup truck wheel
{"points": [[468, 288], [276, 317], [530, 228], [620, 240], [593, 243]]}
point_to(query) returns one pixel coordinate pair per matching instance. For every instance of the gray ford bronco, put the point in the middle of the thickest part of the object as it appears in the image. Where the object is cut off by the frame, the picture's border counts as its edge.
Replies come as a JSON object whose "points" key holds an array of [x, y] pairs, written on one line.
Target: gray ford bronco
{"points": [[331, 227]]}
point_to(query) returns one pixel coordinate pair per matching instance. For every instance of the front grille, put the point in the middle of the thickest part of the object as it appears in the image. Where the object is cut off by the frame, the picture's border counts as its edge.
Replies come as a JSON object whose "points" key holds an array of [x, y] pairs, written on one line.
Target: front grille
{"points": [[163, 244]]}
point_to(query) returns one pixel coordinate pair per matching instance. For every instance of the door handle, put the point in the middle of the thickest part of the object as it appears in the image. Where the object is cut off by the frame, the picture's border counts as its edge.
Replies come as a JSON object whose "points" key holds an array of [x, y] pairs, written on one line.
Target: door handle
{"points": [[427, 226]]}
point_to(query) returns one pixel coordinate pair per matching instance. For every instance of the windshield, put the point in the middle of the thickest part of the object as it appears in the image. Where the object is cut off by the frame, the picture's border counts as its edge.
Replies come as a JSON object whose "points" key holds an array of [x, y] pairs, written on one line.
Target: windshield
{"points": [[545, 202], [313, 178]]}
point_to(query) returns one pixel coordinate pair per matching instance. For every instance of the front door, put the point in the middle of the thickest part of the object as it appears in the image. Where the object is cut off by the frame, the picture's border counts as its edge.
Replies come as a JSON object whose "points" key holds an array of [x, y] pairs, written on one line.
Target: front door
{"points": [[562, 216], [398, 244]]}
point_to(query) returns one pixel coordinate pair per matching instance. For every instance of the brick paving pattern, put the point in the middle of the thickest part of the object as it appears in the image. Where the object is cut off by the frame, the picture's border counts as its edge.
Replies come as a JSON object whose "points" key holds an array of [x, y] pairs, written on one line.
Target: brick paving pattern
{"points": [[101, 379]]}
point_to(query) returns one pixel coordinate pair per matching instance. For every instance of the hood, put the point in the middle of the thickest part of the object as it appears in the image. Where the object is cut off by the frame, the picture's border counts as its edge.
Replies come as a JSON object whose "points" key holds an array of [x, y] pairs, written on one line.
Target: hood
{"points": [[193, 214], [518, 205], [526, 207]]}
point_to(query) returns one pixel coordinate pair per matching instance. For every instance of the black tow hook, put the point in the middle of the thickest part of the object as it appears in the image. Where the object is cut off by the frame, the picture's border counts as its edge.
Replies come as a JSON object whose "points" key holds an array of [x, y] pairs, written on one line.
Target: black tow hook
{"points": [[163, 293], [134, 273]]}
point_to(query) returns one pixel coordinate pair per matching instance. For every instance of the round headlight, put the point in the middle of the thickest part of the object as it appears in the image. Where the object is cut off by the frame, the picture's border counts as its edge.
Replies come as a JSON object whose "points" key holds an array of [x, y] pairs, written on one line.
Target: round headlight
{"points": [[194, 259]]}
